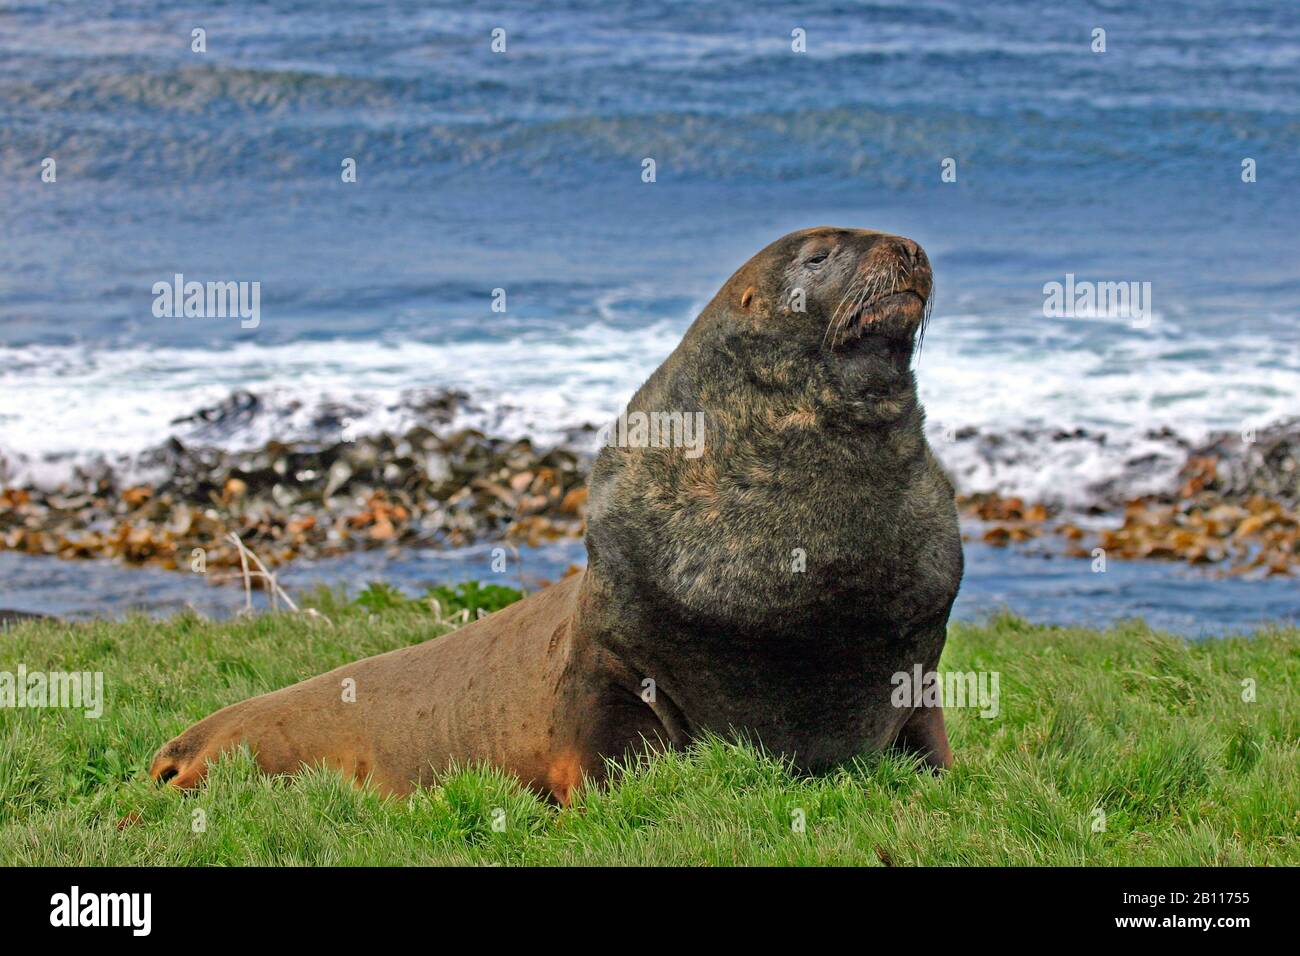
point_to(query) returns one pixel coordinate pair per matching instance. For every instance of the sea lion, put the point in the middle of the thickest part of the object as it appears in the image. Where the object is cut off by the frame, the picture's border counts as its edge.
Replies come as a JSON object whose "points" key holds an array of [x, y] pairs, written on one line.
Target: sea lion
{"points": [[769, 582]]}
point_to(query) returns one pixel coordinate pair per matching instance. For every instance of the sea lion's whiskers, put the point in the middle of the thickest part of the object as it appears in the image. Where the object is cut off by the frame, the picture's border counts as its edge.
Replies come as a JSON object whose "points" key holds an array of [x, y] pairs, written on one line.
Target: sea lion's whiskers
{"points": [[880, 280], [867, 291], [842, 314], [925, 319], [846, 300], [835, 316]]}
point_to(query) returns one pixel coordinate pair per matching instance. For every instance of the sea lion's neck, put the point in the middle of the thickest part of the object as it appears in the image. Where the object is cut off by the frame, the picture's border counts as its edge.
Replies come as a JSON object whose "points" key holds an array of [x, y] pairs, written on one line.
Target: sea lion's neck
{"points": [[795, 484], [864, 394]]}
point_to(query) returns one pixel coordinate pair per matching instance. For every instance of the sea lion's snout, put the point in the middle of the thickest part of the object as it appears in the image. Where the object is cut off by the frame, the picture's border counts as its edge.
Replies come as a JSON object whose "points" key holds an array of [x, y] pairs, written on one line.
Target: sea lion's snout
{"points": [[887, 294], [894, 265], [916, 264]]}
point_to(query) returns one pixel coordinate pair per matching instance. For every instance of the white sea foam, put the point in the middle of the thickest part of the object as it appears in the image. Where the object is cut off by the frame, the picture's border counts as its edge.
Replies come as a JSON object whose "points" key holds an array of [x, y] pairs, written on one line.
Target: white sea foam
{"points": [[1123, 387], [59, 405]]}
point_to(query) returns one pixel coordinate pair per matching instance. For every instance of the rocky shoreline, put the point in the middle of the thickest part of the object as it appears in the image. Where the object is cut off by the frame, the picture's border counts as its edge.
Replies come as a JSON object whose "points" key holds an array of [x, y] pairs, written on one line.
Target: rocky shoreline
{"points": [[437, 486], [1236, 504]]}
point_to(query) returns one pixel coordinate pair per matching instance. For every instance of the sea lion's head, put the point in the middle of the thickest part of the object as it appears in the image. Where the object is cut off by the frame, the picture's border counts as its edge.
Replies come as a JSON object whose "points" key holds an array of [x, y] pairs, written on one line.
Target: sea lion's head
{"points": [[853, 302]]}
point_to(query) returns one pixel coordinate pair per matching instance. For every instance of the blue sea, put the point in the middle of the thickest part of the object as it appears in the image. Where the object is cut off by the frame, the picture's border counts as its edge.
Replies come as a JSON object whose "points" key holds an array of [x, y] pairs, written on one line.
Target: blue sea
{"points": [[521, 170]]}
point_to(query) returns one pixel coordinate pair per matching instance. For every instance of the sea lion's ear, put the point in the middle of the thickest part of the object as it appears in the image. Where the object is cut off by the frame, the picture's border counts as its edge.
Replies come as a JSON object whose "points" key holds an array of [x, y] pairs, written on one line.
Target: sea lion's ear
{"points": [[747, 297]]}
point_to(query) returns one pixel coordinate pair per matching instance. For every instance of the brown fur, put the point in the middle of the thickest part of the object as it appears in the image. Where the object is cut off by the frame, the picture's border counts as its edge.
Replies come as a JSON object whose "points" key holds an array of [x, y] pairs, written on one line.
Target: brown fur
{"points": [[813, 445]]}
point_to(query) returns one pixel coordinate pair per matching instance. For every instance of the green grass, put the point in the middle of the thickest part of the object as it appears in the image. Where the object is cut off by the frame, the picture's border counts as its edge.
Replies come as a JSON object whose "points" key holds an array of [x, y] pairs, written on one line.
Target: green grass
{"points": [[1150, 729]]}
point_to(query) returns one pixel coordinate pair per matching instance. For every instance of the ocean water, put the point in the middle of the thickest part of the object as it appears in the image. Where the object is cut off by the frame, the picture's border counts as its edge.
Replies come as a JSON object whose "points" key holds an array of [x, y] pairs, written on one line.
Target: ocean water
{"points": [[522, 171], [1057, 590]]}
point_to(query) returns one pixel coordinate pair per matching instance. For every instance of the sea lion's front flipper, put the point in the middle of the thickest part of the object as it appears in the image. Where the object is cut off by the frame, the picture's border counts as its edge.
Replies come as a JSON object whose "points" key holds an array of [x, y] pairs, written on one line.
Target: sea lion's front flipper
{"points": [[924, 734]]}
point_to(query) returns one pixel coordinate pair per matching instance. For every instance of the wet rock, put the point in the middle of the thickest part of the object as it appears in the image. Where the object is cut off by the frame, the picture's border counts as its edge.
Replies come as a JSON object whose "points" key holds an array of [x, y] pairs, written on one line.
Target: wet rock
{"points": [[428, 486], [10, 618], [226, 417], [1236, 465], [1234, 505]]}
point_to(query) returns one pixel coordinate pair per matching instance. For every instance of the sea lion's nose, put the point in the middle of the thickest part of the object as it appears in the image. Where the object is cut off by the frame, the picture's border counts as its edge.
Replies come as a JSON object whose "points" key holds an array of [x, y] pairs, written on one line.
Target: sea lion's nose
{"points": [[909, 251], [915, 264]]}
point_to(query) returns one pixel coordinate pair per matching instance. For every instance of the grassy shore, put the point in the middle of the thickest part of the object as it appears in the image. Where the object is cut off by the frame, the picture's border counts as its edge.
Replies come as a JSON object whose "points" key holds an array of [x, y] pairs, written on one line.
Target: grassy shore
{"points": [[1146, 729]]}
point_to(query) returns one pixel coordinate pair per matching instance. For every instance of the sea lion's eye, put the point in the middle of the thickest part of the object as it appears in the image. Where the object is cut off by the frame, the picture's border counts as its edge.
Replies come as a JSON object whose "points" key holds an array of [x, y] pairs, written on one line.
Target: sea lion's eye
{"points": [[817, 259]]}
